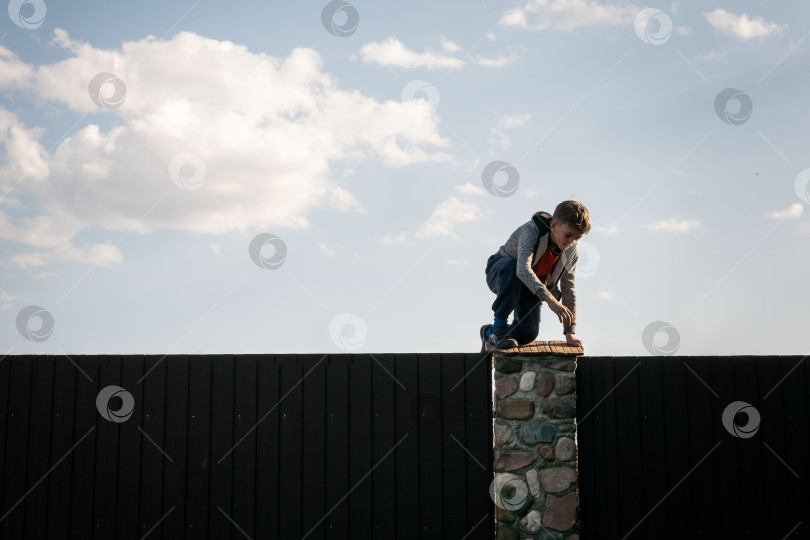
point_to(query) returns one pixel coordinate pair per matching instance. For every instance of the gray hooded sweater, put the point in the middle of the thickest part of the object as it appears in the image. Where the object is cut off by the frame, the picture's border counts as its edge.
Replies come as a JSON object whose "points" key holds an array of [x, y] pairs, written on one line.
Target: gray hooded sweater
{"points": [[527, 244]]}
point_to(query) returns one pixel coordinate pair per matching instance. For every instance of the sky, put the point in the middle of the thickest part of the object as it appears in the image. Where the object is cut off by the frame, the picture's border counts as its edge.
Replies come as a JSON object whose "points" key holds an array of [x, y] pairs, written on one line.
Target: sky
{"points": [[200, 177]]}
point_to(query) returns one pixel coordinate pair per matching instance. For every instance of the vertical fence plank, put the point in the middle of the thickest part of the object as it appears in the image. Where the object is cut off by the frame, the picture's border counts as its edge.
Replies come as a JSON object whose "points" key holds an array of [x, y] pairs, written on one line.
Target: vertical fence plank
{"points": [[478, 397], [17, 448], [244, 454], [611, 446], [628, 422], [702, 443], [177, 472], [677, 439], [87, 420], [750, 451], [407, 451], [336, 520], [155, 456], [39, 444], [454, 444], [771, 433], [313, 446], [653, 447], [267, 468], [593, 473], [64, 436], [359, 503], [794, 371], [5, 407], [384, 388], [198, 470], [586, 468], [107, 435], [220, 500], [727, 467], [430, 446], [128, 484], [290, 461]]}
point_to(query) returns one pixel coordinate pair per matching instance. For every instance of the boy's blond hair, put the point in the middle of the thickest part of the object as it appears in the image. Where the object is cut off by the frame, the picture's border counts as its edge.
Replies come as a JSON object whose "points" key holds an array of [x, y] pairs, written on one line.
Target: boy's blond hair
{"points": [[575, 214]]}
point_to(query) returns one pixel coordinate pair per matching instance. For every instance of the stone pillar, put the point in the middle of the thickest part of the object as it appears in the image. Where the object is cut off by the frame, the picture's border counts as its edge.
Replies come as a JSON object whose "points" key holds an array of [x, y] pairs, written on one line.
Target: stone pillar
{"points": [[535, 485]]}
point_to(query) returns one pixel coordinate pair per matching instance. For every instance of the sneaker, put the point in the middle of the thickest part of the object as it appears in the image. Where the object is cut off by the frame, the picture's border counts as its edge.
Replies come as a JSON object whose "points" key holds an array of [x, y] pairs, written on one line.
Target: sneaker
{"points": [[498, 339], [483, 334]]}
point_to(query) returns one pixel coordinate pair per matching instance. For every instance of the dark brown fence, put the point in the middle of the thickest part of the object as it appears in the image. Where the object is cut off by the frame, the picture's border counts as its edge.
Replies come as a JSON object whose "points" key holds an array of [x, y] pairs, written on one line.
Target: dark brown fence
{"points": [[260, 446], [389, 446], [657, 462]]}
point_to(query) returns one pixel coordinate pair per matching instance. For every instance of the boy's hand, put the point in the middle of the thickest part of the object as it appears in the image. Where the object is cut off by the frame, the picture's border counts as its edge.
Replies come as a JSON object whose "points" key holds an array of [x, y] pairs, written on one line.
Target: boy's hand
{"points": [[562, 312], [572, 341]]}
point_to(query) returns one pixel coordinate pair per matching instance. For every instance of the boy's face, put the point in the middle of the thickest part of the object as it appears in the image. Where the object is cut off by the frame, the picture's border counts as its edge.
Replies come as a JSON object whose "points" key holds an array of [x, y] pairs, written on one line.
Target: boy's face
{"points": [[563, 235]]}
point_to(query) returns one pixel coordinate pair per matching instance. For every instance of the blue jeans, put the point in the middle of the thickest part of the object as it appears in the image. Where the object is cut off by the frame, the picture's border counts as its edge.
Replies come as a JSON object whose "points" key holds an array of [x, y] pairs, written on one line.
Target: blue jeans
{"points": [[511, 294]]}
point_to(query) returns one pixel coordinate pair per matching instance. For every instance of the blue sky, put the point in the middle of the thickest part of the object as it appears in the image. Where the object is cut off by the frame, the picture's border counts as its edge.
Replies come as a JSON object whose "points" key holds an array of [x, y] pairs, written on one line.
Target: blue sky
{"points": [[130, 200]]}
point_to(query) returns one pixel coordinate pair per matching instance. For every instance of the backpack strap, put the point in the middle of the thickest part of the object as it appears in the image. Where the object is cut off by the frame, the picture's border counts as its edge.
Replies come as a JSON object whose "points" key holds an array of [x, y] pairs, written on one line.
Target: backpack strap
{"points": [[542, 221]]}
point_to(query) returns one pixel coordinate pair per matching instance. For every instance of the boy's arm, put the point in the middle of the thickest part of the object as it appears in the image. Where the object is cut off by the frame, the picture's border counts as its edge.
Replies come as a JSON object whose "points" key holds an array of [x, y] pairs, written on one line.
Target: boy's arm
{"points": [[569, 293]]}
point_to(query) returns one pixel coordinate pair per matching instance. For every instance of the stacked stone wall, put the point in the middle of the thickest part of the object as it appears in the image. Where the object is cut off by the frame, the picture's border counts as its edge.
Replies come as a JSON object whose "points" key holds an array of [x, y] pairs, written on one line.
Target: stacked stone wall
{"points": [[535, 485]]}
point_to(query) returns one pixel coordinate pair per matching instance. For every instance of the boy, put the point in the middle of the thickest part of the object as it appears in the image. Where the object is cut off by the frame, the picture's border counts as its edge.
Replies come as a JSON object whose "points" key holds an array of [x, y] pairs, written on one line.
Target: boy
{"points": [[525, 272]]}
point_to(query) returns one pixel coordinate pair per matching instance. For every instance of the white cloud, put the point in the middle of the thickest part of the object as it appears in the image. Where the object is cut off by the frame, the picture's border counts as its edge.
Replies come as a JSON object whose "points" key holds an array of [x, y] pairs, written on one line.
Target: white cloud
{"points": [[493, 62], [805, 228], [400, 239], [610, 229], [674, 7], [514, 121], [504, 139], [392, 52], [469, 189], [604, 295], [490, 36], [674, 225], [711, 56], [447, 215], [216, 248], [506, 122], [326, 249], [345, 201], [684, 31], [741, 26], [6, 300], [449, 46], [95, 255], [267, 130], [794, 212], [567, 15]]}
